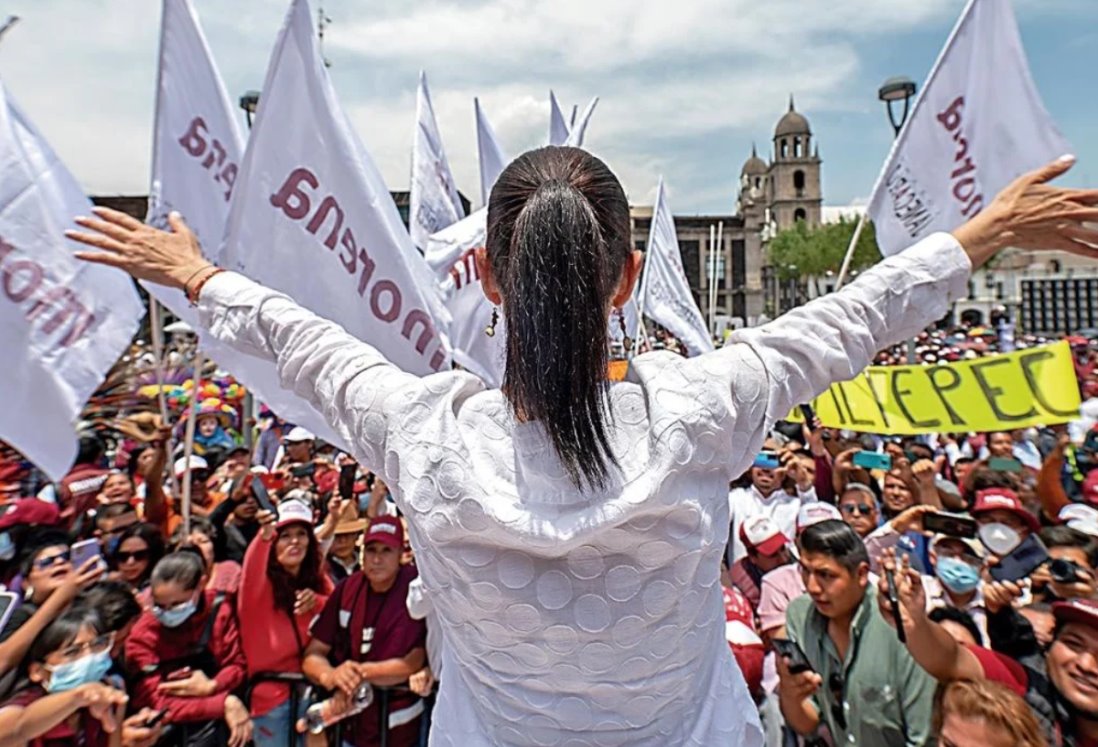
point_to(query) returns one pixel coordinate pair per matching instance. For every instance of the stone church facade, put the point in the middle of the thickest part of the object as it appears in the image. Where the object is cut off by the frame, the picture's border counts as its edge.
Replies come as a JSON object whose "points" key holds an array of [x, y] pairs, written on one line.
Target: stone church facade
{"points": [[773, 195]]}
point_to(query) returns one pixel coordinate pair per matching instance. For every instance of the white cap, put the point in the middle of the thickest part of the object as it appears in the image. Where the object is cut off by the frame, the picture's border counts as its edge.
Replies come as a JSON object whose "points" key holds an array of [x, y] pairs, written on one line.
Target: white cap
{"points": [[1081, 518], [197, 462], [291, 511], [761, 534], [814, 513], [298, 434]]}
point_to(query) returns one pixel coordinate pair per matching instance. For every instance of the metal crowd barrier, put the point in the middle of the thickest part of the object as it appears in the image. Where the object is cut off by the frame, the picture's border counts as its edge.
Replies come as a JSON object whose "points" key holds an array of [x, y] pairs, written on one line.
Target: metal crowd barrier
{"points": [[299, 694]]}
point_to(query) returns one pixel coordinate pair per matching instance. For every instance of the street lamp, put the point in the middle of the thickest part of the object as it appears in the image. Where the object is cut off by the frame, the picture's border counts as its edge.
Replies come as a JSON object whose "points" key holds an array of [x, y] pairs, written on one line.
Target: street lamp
{"points": [[896, 89], [249, 102]]}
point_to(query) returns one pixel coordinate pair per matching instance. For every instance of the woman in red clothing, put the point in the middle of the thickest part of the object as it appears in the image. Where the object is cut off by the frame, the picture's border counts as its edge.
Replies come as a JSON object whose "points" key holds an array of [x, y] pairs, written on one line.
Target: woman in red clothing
{"points": [[281, 589], [185, 654]]}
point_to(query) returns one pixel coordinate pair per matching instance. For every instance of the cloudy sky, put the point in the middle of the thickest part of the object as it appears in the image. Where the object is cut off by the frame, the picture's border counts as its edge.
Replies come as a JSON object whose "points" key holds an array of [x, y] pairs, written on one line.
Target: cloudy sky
{"points": [[686, 86]]}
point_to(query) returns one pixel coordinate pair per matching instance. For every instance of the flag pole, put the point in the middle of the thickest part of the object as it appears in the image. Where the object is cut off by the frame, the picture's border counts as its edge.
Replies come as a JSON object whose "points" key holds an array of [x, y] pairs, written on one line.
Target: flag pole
{"points": [[188, 443], [716, 280], [850, 250], [710, 290], [156, 323]]}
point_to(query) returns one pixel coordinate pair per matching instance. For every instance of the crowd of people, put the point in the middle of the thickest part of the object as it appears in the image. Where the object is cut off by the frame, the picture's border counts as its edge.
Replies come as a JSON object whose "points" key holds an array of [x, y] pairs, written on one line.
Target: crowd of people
{"points": [[293, 580], [570, 547], [981, 548]]}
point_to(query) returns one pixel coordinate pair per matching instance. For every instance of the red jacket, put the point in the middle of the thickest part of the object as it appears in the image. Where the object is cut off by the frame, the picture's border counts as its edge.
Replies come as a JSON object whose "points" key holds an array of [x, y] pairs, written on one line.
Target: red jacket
{"points": [[266, 634], [150, 643]]}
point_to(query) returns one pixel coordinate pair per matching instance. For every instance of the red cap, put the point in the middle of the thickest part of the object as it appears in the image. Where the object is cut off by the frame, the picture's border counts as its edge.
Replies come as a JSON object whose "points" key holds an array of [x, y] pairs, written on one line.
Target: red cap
{"points": [[388, 530], [762, 535], [1090, 488], [1082, 611], [1003, 499], [30, 511]]}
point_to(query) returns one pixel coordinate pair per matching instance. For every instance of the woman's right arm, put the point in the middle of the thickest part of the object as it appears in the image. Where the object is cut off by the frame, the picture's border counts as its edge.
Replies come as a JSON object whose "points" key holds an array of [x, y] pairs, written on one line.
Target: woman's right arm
{"points": [[254, 584], [352, 384]]}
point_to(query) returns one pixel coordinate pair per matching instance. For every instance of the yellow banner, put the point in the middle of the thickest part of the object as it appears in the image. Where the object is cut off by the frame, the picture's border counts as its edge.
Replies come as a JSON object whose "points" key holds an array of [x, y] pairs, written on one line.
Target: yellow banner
{"points": [[1002, 392]]}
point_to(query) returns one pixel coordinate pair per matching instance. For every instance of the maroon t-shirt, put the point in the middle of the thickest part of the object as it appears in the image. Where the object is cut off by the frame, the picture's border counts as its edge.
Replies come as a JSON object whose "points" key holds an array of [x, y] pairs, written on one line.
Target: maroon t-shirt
{"points": [[88, 732], [363, 625]]}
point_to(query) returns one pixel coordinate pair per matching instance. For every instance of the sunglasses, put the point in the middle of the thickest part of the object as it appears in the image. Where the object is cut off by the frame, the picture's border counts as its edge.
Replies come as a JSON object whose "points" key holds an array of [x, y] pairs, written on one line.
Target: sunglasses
{"points": [[851, 508], [43, 563], [138, 556]]}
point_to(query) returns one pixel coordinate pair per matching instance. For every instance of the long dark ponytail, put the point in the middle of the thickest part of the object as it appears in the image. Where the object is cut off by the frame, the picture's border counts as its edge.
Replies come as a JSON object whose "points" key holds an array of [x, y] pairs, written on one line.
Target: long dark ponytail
{"points": [[558, 239]]}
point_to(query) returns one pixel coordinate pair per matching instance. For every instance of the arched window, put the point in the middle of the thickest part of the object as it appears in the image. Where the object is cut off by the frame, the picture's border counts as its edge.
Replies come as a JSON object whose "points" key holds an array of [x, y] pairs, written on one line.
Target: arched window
{"points": [[758, 183], [785, 148], [798, 180], [799, 214], [796, 147]]}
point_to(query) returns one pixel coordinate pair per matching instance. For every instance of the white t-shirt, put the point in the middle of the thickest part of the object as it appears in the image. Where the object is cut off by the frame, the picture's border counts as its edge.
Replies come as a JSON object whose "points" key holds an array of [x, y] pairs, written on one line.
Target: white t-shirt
{"points": [[574, 618]]}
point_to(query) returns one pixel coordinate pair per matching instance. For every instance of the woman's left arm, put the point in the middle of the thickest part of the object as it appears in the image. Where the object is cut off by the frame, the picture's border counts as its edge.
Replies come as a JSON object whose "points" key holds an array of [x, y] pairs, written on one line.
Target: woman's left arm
{"points": [[835, 337]]}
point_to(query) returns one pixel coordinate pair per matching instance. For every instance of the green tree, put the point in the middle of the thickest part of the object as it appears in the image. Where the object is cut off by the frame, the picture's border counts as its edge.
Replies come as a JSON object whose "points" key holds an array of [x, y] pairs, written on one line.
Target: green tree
{"points": [[801, 252]]}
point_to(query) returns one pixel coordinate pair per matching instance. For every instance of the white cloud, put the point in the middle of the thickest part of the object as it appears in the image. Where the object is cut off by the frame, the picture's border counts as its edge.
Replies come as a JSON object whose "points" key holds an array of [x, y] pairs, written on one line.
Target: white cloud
{"points": [[679, 82]]}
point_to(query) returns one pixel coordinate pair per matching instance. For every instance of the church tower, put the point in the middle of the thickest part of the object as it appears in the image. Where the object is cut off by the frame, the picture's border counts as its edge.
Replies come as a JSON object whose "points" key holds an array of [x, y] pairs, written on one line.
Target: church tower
{"points": [[793, 180]]}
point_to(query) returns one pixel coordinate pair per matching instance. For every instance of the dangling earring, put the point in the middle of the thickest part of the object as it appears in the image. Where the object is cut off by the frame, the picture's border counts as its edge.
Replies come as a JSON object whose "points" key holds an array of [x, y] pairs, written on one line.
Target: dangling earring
{"points": [[490, 330], [626, 340]]}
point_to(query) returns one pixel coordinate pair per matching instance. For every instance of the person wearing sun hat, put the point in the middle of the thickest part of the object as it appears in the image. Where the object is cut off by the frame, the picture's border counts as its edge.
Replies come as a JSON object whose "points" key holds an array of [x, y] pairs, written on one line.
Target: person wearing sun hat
{"points": [[343, 556]]}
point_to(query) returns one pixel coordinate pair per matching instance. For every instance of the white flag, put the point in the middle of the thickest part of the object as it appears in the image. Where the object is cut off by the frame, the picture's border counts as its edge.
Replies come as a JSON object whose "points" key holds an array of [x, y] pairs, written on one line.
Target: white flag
{"points": [[977, 124], [450, 253], [196, 156], [579, 131], [558, 128], [434, 202], [63, 322], [665, 292], [312, 216], [492, 159]]}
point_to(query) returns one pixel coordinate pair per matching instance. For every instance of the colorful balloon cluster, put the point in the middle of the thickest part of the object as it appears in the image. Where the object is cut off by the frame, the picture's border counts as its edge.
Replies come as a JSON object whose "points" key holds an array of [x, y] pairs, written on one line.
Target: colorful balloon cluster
{"points": [[179, 396]]}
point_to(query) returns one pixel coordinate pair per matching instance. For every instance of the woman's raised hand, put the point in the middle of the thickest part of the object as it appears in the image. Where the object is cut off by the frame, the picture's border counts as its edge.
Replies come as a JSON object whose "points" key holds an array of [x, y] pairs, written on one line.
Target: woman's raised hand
{"points": [[164, 257], [1031, 214]]}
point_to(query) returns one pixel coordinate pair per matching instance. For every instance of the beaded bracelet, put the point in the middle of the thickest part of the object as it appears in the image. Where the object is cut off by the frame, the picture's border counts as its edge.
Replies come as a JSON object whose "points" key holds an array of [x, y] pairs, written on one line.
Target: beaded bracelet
{"points": [[192, 294]]}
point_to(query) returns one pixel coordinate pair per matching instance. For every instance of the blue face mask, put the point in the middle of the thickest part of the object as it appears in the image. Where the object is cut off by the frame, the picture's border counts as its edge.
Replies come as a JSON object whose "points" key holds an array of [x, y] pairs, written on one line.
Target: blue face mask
{"points": [[7, 547], [176, 616], [957, 575], [73, 674]]}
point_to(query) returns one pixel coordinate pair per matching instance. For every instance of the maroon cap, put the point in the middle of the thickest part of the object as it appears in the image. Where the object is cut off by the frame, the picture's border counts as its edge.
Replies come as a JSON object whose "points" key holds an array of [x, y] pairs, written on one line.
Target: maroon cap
{"points": [[30, 511], [387, 530], [1082, 611], [1003, 499]]}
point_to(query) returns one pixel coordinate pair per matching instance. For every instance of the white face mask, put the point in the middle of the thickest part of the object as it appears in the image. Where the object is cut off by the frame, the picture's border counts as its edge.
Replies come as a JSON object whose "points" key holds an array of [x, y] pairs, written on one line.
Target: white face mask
{"points": [[999, 538]]}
